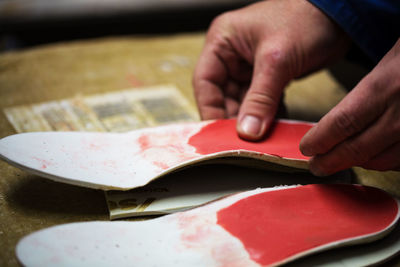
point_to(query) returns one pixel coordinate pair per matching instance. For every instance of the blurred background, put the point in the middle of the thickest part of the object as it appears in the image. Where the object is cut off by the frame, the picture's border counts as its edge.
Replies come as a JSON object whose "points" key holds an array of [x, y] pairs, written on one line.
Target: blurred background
{"points": [[26, 23]]}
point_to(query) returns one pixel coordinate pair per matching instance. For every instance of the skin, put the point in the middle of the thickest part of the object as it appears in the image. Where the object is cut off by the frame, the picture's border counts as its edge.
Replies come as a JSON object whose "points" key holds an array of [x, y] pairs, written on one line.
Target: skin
{"points": [[364, 128], [252, 53]]}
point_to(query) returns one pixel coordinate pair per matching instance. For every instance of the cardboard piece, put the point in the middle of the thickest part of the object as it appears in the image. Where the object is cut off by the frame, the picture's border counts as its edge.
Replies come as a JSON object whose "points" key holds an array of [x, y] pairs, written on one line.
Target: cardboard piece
{"points": [[246, 229], [122, 161]]}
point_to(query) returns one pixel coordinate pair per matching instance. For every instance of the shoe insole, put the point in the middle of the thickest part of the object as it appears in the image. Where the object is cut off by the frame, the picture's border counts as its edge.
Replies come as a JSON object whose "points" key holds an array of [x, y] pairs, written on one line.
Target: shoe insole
{"points": [[123, 161], [263, 227]]}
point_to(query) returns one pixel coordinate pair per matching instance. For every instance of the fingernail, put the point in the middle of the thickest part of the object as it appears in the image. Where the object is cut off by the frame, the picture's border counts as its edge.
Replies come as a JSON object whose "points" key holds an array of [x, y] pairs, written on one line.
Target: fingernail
{"points": [[251, 125]]}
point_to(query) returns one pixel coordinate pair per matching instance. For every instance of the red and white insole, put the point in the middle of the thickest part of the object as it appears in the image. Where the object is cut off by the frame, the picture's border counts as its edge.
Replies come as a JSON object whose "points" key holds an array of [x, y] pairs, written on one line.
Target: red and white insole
{"points": [[124, 161], [263, 227]]}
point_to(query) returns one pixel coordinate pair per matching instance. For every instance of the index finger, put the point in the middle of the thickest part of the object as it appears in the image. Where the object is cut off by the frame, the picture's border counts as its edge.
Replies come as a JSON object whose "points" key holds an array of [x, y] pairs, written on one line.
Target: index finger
{"points": [[352, 115]]}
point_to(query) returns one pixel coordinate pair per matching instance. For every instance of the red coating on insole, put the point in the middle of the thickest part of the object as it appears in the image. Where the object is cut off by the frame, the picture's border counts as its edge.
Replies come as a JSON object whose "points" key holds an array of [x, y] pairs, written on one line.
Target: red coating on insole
{"points": [[283, 139], [277, 225]]}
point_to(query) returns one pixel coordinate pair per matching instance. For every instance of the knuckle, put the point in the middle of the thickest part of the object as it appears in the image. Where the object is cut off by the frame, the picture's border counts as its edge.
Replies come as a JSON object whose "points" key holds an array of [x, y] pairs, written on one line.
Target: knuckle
{"points": [[345, 124], [217, 21], [220, 33], [355, 153], [262, 98], [274, 55], [222, 21]]}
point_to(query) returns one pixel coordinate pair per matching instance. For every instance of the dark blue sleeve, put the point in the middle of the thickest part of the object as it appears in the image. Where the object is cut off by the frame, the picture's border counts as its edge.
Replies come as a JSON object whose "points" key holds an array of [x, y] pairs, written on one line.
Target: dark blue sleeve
{"points": [[374, 25]]}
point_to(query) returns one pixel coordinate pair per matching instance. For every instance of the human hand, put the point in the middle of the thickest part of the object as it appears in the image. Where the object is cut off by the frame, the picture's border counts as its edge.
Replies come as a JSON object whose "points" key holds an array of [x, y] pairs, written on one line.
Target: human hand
{"points": [[364, 128], [251, 54]]}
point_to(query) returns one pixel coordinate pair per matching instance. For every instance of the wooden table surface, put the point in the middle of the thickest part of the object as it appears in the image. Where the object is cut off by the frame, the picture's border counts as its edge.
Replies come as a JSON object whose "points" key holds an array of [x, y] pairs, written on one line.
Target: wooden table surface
{"points": [[29, 203]]}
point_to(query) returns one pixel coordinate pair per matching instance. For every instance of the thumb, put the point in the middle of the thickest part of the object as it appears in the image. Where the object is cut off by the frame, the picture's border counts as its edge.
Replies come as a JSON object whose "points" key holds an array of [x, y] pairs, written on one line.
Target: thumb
{"points": [[261, 101]]}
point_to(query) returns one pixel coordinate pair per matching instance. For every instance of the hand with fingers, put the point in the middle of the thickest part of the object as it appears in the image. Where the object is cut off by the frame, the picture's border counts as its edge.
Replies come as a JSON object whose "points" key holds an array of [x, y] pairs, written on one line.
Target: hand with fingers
{"points": [[252, 53], [364, 128]]}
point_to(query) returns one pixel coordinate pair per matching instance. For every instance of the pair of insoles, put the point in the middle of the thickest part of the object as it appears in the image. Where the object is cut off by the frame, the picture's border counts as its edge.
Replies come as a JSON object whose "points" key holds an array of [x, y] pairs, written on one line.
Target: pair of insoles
{"points": [[254, 228]]}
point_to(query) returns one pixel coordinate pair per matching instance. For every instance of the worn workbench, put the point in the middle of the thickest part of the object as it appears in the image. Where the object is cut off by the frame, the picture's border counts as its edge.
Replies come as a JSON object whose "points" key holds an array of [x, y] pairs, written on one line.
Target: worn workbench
{"points": [[29, 203]]}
